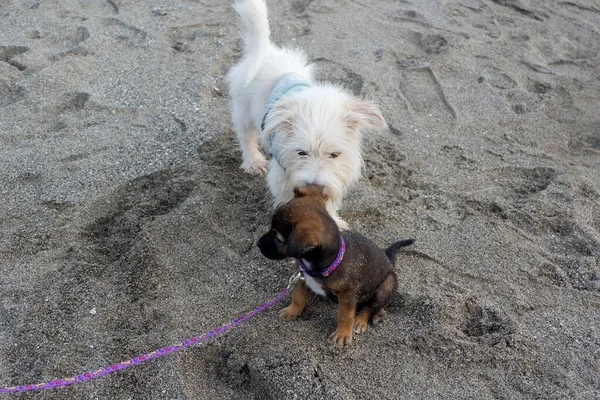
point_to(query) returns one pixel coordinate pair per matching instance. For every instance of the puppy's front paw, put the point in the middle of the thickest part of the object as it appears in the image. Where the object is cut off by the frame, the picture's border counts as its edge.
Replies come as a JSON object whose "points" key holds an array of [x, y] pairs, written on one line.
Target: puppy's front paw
{"points": [[256, 165], [290, 313], [341, 338]]}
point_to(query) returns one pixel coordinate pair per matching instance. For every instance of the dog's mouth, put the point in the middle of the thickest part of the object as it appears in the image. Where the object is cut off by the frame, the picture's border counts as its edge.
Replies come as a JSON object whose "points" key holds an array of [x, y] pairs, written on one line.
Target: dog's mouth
{"points": [[268, 247], [333, 185], [327, 190]]}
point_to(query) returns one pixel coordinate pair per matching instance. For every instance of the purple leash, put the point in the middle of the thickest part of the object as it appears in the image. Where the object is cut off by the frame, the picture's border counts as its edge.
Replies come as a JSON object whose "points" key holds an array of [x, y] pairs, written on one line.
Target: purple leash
{"points": [[153, 354]]}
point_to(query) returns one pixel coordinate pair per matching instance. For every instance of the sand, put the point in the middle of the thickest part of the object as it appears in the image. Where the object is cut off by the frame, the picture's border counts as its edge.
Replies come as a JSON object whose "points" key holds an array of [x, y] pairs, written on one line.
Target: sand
{"points": [[126, 223]]}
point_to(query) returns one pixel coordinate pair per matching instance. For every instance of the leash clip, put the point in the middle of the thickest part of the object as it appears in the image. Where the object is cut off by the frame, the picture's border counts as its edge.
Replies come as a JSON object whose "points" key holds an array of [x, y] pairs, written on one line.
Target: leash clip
{"points": [[296, 277]]}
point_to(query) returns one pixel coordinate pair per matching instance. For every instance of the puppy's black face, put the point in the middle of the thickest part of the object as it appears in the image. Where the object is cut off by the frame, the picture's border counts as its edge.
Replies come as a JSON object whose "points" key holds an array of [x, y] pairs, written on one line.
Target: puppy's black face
{"points": [[273, 245], [299, 226], [287, 237]]}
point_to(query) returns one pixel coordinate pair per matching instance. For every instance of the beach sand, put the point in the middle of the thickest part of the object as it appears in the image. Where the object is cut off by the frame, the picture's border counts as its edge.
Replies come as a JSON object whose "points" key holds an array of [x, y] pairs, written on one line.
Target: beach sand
{"points": [[126, 223]]}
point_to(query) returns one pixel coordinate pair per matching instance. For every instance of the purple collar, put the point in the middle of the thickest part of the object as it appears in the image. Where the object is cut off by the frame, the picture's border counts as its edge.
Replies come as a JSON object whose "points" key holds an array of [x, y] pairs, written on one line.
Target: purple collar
{"points": [[327, 271]]}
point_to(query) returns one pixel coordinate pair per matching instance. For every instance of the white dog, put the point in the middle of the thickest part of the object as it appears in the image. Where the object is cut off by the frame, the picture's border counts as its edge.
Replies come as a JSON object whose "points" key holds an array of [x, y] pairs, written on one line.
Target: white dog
{"points": [[311, 131]]}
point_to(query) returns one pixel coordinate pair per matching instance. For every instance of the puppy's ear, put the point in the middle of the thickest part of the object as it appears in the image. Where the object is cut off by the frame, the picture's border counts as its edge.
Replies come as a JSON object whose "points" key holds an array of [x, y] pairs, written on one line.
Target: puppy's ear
{"points": [[311, 190], [303, 239], [325, 194], [363, 114]]}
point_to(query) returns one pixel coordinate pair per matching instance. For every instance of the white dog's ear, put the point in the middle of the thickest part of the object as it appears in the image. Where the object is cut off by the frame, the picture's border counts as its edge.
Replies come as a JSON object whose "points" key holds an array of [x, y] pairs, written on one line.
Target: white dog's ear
{"points": [[280, 118], [363, 115]]}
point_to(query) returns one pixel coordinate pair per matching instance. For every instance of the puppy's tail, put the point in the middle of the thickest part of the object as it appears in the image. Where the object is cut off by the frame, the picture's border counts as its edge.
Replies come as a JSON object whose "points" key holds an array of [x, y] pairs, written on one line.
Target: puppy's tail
{"points": [[254, 16], [390, 252]]}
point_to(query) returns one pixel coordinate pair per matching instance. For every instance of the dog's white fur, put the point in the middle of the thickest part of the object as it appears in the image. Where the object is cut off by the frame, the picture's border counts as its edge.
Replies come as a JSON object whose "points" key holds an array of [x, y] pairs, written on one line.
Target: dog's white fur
{"points": [[317, 130]]}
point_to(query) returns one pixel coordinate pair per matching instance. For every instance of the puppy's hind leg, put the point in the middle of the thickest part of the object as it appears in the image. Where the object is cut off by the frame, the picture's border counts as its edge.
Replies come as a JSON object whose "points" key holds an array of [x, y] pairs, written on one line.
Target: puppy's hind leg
{"points": [[375, 305], [253, 160]]}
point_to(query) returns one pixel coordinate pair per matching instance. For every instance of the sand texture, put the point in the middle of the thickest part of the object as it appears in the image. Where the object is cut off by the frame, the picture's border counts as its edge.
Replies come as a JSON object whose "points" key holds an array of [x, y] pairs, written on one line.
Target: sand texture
{"points": [[126, 223]]}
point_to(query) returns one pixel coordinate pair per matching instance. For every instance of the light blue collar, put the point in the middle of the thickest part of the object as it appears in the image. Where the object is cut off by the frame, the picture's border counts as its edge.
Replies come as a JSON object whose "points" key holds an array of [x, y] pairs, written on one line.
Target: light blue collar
{"points": [[286, 83]]}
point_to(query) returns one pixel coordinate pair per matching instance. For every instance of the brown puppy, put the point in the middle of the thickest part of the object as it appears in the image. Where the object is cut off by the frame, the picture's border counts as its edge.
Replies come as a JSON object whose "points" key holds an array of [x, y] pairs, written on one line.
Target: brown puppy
{"points": [[347, 265]]}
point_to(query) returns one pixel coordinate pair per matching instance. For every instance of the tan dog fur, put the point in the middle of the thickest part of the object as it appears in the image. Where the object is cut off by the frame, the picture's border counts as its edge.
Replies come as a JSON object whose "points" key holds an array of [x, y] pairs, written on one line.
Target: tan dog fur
{"points": [[364, 281]]}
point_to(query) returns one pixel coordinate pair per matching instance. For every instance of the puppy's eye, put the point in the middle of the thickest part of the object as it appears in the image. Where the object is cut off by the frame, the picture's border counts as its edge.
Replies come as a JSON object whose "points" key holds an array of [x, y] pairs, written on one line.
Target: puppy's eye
{"points": [[302, 153], [279, 237], [334, 155]]}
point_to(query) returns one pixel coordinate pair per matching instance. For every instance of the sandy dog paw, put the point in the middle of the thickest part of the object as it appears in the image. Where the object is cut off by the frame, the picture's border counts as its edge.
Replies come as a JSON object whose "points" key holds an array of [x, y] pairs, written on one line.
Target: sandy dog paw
{"points": [[341, 338], [379, 315], [343, 225], [360, 326], [290, 313], [257, 165]]}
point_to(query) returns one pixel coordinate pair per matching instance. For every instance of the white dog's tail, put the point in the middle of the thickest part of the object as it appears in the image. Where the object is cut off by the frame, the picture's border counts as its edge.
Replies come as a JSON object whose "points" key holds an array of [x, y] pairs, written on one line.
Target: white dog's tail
{"points": [[254, 16]]}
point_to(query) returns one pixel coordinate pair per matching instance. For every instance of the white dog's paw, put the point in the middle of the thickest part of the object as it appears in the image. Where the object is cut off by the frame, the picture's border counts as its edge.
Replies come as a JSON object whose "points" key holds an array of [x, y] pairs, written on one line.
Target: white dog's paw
{"points": [[343, 225], [331, 209], [256, 165]]}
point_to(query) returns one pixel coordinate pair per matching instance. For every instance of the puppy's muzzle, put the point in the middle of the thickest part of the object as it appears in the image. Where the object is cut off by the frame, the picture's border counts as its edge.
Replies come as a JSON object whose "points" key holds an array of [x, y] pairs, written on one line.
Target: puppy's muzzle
{"points": [[269, 248]]}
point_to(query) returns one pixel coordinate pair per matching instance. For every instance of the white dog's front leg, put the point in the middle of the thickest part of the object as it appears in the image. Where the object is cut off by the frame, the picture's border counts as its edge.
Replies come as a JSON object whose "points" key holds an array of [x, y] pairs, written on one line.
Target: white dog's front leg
{"points": [[254, 161], [332, 210]]}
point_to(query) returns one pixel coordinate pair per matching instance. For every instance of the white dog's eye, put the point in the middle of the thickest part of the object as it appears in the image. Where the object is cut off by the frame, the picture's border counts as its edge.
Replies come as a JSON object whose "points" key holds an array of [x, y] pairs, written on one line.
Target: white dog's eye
{"points": [[334, 155], [302, 153]]}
